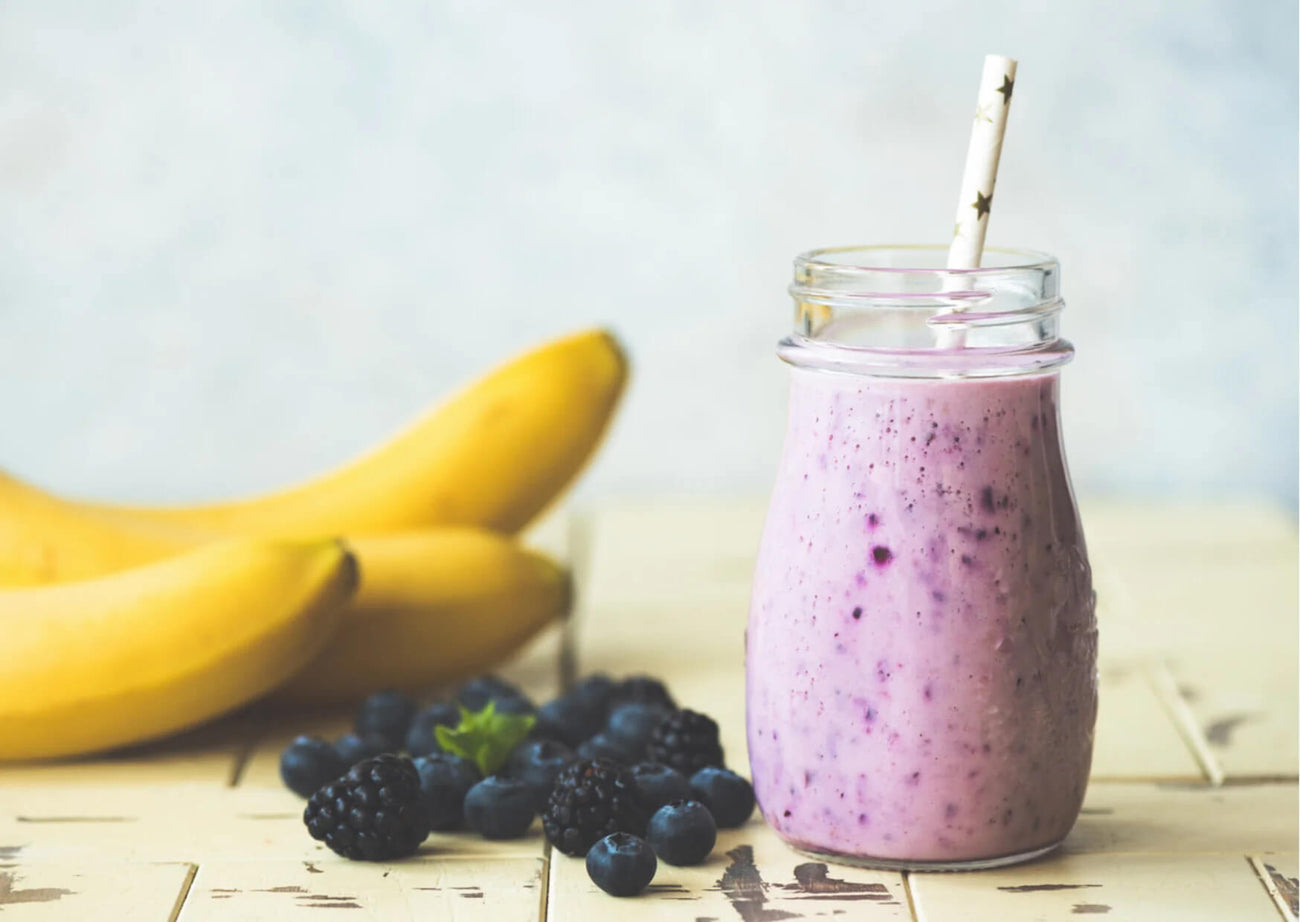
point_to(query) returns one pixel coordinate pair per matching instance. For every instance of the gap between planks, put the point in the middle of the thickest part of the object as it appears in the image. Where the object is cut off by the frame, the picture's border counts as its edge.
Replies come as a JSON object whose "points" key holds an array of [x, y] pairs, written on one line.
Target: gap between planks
{"points": [[1166, 689], [911, 900], [544, 906], [184, 893], [1265, 875]]}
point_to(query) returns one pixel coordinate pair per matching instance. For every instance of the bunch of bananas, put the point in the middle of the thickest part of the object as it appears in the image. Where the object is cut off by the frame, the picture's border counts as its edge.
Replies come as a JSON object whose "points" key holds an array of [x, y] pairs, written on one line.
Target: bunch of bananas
{"points": [[120, 624]]}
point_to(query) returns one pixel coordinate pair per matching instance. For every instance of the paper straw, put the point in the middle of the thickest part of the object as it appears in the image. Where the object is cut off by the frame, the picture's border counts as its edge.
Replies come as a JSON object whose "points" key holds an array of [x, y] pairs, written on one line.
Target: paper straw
{"points": [[981, 174]]}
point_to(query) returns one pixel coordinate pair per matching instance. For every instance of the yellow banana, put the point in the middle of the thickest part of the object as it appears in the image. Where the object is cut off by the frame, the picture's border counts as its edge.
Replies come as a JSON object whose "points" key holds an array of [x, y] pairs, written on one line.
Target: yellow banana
{"points": [[493, 455], [44, 539], [91, 665], [433, 606]]}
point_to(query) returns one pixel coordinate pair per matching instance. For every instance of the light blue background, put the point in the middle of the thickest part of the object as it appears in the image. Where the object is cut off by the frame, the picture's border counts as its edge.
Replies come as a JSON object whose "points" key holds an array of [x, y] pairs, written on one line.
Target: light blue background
{"points": [[241, 241]]}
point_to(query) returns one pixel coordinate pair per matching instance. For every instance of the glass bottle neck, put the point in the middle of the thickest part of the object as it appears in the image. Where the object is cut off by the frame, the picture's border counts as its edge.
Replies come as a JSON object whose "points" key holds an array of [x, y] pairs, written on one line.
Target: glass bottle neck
{"points": [[899, 312]]}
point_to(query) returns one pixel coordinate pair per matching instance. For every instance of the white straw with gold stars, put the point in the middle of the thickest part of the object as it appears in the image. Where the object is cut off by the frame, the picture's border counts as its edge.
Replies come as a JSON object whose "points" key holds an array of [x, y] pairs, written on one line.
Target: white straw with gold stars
{"points": [[982, 157], [977, 183]]}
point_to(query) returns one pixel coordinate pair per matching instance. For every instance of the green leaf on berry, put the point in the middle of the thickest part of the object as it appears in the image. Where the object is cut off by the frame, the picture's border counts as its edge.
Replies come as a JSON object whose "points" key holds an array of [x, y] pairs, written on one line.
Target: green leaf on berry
{"points": [[484, 737]]}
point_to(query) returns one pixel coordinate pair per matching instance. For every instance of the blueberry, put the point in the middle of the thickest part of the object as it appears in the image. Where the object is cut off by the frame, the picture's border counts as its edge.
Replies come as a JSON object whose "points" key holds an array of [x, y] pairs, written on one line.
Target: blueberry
{"points": [[477, 692], [420, 740], [499, 808], [567, 719], [729, 797], [353, 748], [658, 784], [520, 706], [633, 723], [621, 864], [683, 832], [603, 746], [641, 689], [308, 764], [387, 714], [536, 763], [596, 690], [445, 779]]}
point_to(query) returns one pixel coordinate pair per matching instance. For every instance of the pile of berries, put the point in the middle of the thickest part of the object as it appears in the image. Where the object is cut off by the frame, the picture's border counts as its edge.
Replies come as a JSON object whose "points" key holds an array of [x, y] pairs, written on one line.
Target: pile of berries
{"points": [[620, 776]]}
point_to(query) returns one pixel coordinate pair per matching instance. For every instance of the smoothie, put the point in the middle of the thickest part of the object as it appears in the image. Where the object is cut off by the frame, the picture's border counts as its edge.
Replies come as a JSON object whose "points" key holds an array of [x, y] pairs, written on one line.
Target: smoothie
{"points": [[922, 642]]}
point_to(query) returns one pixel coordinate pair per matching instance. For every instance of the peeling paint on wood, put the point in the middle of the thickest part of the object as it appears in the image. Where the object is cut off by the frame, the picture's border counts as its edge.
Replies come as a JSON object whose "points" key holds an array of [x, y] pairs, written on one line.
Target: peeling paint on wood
{"points": [[744, 887], [76, 819], [1219, 732], [1040, 888], [11, 894]]}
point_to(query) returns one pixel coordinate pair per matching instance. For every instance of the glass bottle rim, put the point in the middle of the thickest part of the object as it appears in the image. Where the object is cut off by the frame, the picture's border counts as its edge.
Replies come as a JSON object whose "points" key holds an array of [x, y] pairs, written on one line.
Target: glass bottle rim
{"points": [[898, 310]]}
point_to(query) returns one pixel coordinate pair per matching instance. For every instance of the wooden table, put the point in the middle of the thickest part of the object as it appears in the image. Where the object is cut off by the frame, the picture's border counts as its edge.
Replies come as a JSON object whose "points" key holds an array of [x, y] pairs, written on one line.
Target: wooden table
{"points": [[1191, 813]]}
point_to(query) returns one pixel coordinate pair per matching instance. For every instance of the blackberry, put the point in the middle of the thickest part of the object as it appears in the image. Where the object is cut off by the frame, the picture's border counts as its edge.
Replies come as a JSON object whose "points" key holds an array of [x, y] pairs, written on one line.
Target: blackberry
{"points": [[372, 813], [353, 748], [477, 692], [621, 864], [420, 740], [309, 763], [687, 741], [387, 714], [683, 832], [591, 799], [445, 779], [729, 797], [642, 689]]}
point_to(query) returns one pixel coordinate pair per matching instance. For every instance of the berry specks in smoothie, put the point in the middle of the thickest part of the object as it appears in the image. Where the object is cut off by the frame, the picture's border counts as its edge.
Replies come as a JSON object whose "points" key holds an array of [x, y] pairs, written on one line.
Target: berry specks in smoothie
{"points": [[872, 520], [881, 555], [967, 560], [986, 499], [857, 613], [928, 692], [949, 811], [914, 779]]}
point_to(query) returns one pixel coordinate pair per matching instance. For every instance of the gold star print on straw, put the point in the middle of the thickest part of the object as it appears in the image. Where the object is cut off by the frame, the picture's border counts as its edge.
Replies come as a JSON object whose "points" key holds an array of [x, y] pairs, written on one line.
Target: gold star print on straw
{"points": [[1005, 89], [979, 177]]}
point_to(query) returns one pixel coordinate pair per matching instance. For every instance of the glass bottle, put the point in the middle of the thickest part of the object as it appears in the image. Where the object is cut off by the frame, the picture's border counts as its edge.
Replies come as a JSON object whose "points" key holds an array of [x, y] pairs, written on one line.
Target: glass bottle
{"points": [[921, 652]]}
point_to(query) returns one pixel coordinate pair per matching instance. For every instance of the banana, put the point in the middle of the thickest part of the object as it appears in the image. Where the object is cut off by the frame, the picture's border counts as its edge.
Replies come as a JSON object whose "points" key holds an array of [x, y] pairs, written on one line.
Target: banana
{"points": [[494, 455], [44, 539], [92, 665], [433, 606]]}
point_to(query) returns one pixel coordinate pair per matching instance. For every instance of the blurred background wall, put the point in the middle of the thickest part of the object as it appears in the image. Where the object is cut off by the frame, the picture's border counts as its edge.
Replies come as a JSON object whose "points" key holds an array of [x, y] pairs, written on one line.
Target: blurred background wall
{"points": [[241, 241]]}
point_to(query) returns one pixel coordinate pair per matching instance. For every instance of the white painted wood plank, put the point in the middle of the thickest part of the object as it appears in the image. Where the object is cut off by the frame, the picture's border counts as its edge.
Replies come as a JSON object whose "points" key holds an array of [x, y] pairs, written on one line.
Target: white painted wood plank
{"points": [[1186, 819], [185, 823], [1122, 888], [1245, 709], [460, 890], [751, 875], [1136, 737], [62, 891]]}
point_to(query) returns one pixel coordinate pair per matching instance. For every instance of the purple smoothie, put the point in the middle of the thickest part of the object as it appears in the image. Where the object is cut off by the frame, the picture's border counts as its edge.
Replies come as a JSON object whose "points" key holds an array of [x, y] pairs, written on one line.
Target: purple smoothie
{"points": [[921, 654]]}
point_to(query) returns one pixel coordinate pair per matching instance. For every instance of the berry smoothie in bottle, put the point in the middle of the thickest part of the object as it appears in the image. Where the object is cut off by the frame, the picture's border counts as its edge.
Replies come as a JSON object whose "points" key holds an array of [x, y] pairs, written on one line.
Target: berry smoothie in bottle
{"points": [[921, 650]]}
